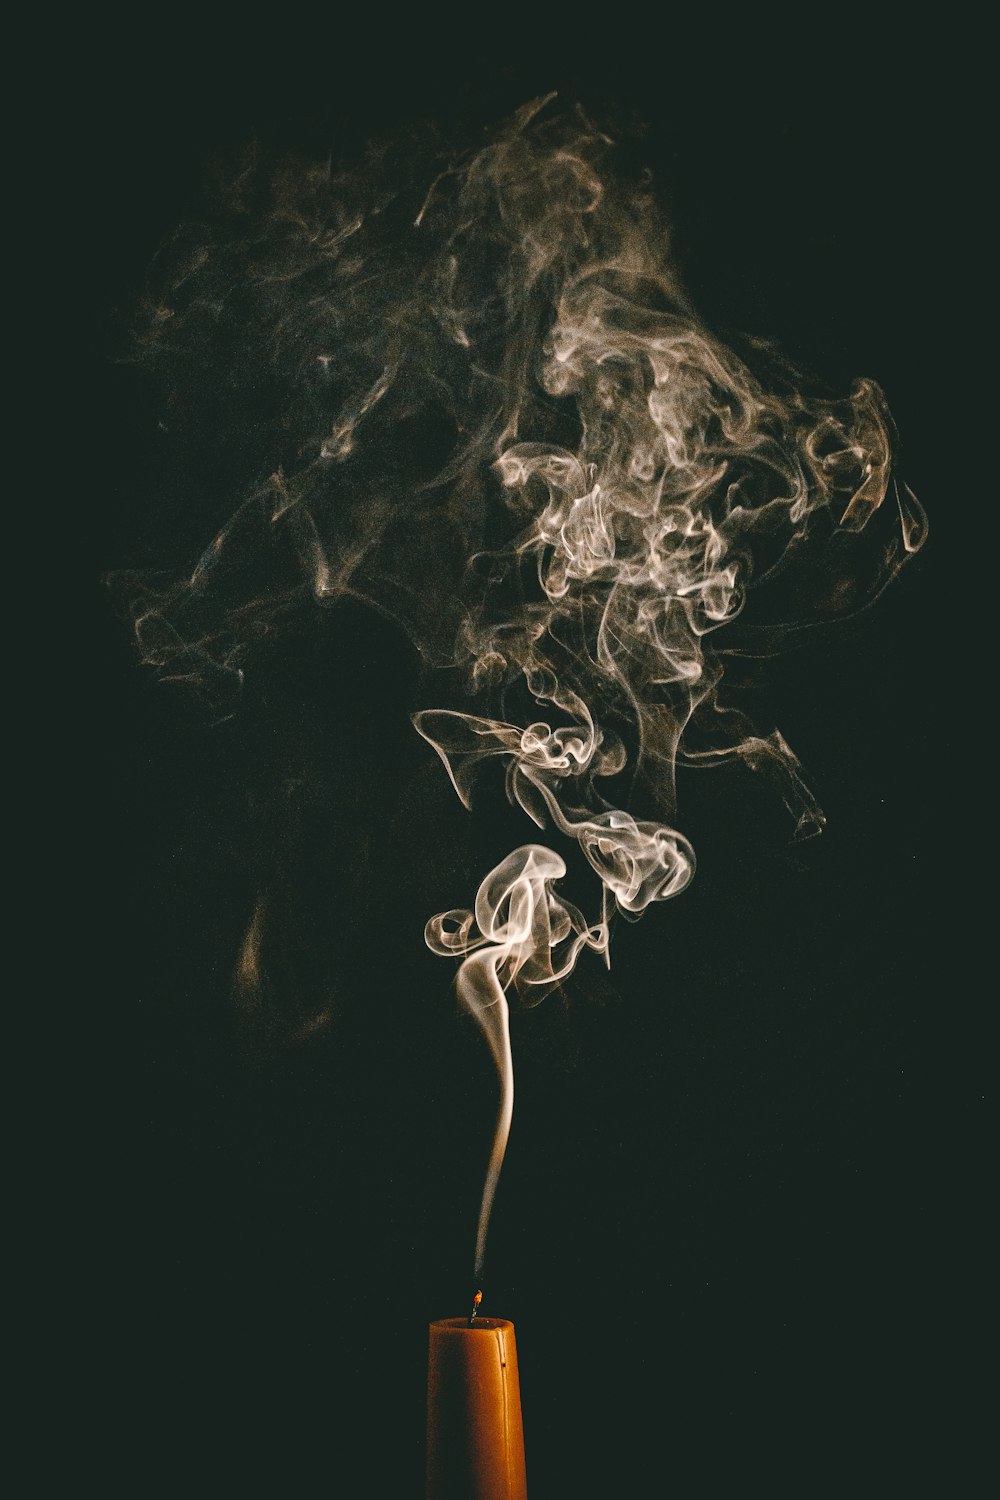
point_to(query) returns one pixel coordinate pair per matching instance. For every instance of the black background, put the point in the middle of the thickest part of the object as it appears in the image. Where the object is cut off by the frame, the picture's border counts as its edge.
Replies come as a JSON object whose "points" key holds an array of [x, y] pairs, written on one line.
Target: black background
{"points": [[736, 1227]]}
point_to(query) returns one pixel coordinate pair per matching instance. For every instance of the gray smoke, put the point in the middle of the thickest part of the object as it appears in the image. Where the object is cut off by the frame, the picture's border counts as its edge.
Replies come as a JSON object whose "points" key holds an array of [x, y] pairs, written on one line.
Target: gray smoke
{"points": [[494, 413]]}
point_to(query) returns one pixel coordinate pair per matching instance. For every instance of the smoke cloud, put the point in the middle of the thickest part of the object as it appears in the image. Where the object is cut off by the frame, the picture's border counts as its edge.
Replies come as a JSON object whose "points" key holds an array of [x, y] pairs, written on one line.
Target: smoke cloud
{"points": [[493, 413]]}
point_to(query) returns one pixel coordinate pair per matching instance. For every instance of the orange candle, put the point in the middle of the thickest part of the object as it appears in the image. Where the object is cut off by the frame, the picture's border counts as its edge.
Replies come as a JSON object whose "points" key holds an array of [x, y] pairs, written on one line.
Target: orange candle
{"points": [[475, 1440]]}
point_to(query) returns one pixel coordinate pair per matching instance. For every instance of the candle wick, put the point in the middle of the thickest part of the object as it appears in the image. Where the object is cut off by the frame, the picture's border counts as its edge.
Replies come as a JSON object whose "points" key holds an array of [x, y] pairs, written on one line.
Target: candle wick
{"points": [[475, 1308]]}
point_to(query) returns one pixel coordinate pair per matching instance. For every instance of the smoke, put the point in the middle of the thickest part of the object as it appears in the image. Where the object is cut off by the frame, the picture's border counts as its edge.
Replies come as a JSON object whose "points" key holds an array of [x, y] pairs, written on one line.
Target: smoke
{"points": [[520, 932], [491, 411]]}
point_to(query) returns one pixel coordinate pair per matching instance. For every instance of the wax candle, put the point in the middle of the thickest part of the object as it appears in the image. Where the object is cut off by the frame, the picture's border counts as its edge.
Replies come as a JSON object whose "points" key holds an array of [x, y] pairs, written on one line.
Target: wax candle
{"points": [[475, 1440]]}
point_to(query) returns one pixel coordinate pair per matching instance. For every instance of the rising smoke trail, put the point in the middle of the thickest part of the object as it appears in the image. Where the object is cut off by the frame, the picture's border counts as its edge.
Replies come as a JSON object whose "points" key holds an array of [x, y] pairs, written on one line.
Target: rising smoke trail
{"points": [[501, 420]]}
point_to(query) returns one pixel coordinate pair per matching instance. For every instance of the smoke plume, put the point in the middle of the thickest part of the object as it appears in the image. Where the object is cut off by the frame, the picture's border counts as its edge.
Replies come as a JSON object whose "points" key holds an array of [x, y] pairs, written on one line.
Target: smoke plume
{"points": [[493, 413]]}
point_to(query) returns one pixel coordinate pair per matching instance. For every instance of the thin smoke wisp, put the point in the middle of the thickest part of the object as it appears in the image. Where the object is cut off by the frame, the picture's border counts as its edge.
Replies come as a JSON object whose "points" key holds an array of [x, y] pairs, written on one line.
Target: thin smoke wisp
{"points": [[495, 414]]}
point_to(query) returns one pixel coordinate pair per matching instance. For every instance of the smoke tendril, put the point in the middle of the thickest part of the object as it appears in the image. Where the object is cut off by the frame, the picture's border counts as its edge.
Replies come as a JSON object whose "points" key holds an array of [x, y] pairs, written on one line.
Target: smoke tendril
{"points": [[492, 404]]}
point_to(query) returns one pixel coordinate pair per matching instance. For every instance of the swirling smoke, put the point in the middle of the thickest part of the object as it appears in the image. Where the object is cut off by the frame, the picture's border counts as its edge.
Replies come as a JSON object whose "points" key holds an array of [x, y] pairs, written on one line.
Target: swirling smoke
{"points": [[502, 421]]}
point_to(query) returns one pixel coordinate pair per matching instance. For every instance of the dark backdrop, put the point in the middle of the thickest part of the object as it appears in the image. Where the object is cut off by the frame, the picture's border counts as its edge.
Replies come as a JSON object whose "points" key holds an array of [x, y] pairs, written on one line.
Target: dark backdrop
{"points": [[736, 1222]]}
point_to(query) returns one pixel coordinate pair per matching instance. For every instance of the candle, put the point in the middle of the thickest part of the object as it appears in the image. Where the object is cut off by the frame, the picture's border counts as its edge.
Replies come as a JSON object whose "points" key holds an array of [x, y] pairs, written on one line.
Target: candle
{"points": [[475, 1440]]}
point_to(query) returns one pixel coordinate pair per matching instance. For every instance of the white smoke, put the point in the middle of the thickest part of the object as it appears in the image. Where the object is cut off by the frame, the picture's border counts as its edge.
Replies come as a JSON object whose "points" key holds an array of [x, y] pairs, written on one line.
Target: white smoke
{"points": [[502, 421]]}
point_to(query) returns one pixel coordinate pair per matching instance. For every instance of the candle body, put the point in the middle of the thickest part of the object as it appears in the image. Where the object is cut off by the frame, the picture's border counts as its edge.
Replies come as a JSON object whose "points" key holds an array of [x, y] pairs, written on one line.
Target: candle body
{"points": [[475, 1438]]}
